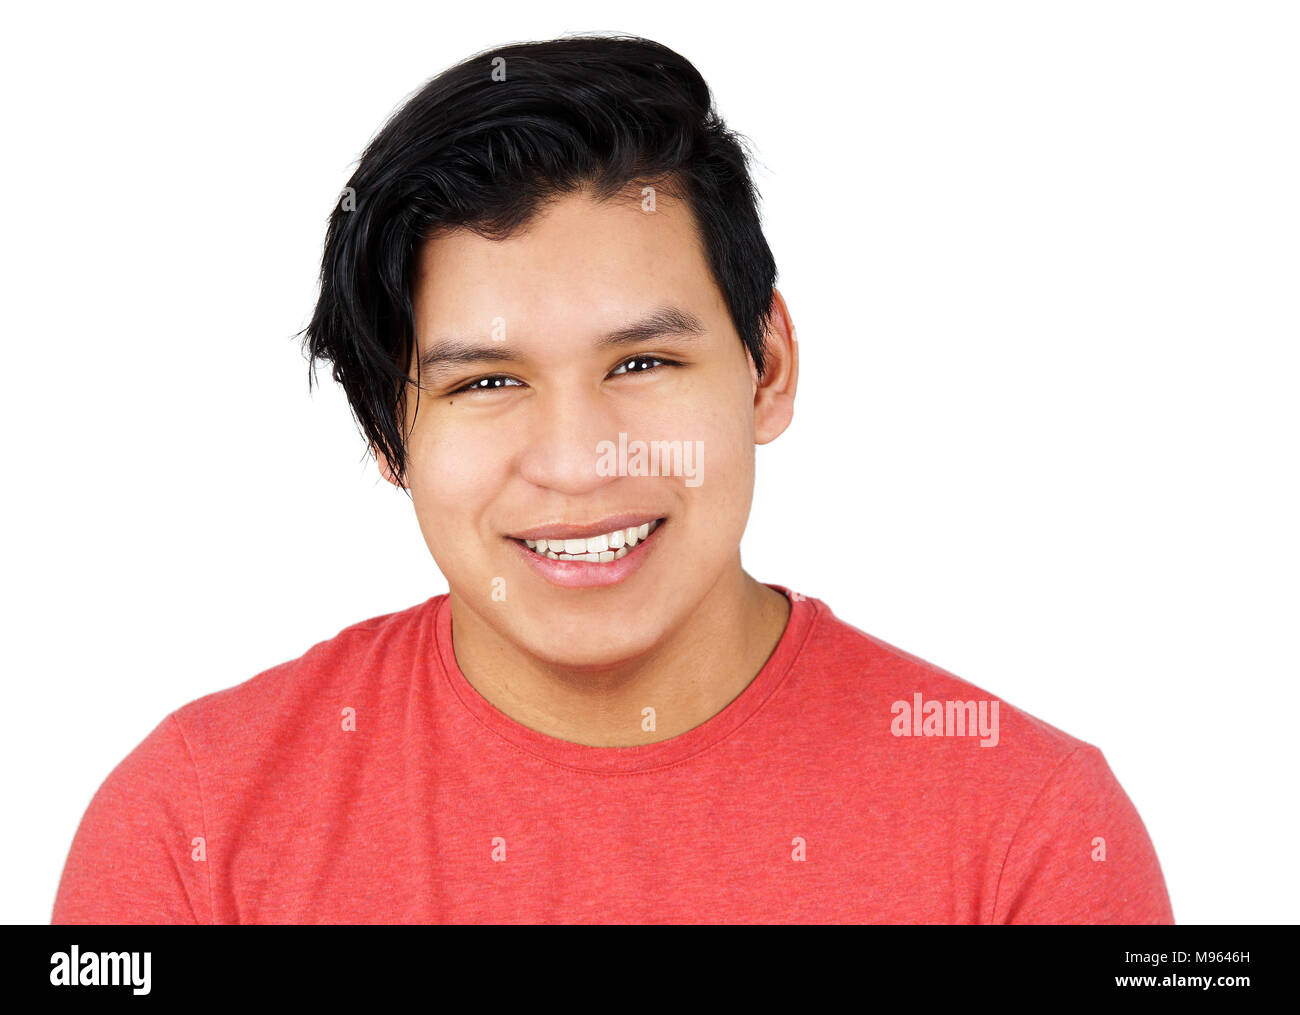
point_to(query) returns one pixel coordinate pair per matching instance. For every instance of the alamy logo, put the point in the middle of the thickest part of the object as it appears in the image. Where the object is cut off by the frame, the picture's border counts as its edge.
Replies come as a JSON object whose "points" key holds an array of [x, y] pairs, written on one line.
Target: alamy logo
{"points": [[651, 458], [920, 718], [101, 969]]}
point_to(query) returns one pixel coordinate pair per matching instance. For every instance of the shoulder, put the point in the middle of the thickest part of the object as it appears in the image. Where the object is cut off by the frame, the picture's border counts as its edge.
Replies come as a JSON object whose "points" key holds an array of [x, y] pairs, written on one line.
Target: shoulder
{"points": [[234, 725], [936, 699], [356, 661], [934, 726], [1069, 843], [132, 858]]}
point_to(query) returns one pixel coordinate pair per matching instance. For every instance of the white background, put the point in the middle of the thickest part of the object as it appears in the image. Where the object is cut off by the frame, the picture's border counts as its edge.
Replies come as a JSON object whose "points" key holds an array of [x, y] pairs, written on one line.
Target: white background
{"points": [[1043, 259]]}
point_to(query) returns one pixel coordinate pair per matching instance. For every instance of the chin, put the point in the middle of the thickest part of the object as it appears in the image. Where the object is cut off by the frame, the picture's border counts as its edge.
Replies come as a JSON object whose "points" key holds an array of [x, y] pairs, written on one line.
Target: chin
{"points": [[588, 653]]}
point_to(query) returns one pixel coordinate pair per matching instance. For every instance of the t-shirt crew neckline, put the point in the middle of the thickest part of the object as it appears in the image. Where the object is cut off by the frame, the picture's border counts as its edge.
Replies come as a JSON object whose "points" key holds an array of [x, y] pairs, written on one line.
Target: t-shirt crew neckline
{"points": [[642, 757]]}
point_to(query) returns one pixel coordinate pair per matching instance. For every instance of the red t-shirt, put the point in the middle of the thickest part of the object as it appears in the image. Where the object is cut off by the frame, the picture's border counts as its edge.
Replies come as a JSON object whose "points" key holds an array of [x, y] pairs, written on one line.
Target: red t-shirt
{"points": [[368, 782]]}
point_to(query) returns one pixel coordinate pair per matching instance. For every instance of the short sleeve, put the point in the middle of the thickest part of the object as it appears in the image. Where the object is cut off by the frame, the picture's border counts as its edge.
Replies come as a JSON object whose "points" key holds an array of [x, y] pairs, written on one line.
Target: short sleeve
{"points": [[140, 852], [1082, 855]]}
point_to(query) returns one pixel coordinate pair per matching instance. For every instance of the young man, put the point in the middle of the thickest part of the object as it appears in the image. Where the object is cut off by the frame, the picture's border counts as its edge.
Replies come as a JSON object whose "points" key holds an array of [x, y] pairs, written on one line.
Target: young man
{"points": [[548, 296]]}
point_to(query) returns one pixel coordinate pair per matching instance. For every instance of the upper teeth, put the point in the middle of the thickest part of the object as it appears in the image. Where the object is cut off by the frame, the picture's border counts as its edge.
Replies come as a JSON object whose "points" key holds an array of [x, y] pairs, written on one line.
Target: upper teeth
{"points": [[606, 547]]}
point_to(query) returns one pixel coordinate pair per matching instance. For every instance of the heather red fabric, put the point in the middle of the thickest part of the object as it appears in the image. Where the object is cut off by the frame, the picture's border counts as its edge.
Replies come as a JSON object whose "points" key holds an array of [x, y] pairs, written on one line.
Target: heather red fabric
{"points": [[797, 803]]}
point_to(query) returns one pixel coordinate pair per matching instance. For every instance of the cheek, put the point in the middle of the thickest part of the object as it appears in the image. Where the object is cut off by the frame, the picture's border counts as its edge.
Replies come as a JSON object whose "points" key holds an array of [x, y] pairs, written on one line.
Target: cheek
{"points": [[725, 430], [458, 465], [725, 426], [456, 473]]}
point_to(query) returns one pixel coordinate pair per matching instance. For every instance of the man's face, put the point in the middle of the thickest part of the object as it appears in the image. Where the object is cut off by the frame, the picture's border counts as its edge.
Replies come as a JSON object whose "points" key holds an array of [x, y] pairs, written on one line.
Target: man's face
{"points": [[523, 454]]}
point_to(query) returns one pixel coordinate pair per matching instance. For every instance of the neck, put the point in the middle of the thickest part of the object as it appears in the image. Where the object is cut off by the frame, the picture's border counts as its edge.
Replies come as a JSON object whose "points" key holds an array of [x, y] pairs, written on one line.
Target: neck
{"points": [[689, 677]]}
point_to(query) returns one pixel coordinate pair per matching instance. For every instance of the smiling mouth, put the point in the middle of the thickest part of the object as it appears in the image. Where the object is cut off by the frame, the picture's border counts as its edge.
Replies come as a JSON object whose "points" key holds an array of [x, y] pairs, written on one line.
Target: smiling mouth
{"points": [[602, 549]]}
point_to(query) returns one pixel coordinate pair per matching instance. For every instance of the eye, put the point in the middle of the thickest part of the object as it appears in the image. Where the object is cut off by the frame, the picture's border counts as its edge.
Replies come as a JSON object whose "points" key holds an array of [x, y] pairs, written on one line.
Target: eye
{"points": [[641, 364], [632, 365], [487, 384]]}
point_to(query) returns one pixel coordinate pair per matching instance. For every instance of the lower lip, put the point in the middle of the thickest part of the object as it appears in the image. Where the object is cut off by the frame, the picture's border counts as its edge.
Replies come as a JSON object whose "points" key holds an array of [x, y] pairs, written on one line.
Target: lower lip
{"points": [[583, 574]]}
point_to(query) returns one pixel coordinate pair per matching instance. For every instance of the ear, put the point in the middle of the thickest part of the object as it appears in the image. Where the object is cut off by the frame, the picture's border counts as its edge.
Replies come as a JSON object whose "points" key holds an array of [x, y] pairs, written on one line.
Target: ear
{"points": [[384, 469], [774, 392]]}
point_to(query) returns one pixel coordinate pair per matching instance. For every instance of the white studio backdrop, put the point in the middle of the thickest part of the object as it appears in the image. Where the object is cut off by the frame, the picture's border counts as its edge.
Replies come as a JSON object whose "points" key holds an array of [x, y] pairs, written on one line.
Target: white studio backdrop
{"points": [[1042, 258]]}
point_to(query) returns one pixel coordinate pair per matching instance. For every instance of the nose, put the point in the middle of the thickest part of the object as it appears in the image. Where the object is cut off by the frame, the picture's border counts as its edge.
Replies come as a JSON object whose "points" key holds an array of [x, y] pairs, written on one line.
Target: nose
{"points": [[566, 426]]}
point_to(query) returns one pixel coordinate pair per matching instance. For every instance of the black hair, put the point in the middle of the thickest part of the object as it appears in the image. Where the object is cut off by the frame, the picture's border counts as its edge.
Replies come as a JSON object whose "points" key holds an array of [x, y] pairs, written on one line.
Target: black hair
{"points": [[485, 145]]}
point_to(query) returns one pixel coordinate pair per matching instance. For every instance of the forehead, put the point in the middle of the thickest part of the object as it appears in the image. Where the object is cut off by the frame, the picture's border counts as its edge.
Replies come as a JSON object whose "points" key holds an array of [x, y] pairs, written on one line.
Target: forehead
{"points": [[576, 254]]}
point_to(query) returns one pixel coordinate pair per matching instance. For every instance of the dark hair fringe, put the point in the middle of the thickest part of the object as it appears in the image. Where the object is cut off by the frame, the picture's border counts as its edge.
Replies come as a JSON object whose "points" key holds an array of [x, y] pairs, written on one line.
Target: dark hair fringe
{"points": [[601, 112]]}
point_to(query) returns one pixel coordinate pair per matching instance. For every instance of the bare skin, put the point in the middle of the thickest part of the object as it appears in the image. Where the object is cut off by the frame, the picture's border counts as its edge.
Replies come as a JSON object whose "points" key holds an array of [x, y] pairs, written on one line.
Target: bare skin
{"points": [[689, 629]]}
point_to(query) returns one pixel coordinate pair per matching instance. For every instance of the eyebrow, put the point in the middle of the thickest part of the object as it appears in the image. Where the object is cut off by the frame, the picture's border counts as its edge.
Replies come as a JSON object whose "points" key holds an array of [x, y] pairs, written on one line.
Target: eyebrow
{"points": [[664, 322]]}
